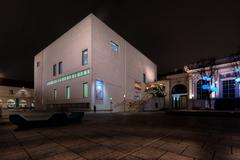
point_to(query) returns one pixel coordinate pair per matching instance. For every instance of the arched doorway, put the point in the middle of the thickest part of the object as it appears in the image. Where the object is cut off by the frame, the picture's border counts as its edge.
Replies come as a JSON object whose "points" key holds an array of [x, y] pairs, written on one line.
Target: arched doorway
{"points": [[1, 103], [22, 103], [179, 96], [10, 103]]}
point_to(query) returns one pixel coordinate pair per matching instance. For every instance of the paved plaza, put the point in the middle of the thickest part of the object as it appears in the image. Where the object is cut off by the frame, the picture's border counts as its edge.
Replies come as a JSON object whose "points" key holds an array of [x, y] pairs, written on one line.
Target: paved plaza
{"points": [[126, 136]]}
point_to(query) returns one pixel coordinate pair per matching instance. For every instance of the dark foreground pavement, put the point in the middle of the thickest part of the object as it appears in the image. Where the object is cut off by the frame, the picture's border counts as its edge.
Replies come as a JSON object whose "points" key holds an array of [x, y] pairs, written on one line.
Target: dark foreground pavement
{"points": [[132, 136]]}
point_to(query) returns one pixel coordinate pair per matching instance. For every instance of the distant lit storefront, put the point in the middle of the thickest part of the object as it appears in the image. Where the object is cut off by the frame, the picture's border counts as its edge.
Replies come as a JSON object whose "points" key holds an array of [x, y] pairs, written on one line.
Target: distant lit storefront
{"points": [[13, 94]]}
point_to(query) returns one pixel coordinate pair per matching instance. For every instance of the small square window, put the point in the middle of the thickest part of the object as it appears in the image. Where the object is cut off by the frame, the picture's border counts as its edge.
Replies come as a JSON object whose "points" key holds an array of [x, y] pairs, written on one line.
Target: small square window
{"points": [[38, 64], [114, 46]]}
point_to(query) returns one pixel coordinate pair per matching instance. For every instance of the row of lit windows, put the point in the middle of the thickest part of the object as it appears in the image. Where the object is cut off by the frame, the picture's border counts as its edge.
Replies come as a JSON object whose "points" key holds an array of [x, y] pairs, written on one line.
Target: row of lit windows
{"points": [[68, 92], [70, 76]]}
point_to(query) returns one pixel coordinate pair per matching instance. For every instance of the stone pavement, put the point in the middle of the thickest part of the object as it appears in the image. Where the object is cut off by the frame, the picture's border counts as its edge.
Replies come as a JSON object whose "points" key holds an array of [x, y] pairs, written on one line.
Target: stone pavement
{"points": [[126, 136]]}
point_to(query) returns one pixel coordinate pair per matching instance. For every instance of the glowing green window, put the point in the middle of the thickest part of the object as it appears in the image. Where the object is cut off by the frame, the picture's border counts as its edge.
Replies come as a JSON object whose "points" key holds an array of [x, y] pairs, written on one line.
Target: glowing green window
{"points": [[85, 90], [68, 92]]}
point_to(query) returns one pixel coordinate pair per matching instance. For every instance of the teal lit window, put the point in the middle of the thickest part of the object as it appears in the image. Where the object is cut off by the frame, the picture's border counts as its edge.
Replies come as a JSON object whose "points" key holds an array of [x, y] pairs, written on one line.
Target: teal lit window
{"points": [[54, 69], [114, 46], [85, 90], [60, 68], [85, 57], [68, 92]]}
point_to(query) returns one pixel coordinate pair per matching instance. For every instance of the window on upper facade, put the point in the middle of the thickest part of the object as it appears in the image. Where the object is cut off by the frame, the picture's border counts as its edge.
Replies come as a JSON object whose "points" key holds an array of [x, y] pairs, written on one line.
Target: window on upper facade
{"points": [[228, 89], [68, 92], [114, 46], [85, 57], [85, 90], [54, 70], [60, 68], [201, 94], [54, 94], [144, 78], [38, 64]]}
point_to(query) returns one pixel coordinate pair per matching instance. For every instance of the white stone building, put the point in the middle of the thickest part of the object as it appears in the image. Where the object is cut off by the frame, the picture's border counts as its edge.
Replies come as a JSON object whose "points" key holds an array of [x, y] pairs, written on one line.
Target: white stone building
{"points": [[90, 65]]}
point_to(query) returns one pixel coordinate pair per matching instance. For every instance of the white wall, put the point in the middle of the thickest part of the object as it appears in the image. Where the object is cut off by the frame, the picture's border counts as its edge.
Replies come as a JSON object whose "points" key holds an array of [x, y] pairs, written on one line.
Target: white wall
{"points": [[108, 65], [68, 49], [119, 70]]}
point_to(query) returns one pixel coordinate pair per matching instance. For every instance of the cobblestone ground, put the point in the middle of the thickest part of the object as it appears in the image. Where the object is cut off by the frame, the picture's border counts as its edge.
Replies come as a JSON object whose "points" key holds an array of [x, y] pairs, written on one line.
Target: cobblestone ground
{"points": [[126, 136]]}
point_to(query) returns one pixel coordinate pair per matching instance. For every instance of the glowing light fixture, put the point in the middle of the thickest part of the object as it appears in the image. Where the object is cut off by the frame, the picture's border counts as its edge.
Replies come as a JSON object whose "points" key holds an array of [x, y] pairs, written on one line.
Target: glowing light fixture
{"points": [[237, 69], [237, 80], [207, 78], [213, 88], [205, 87]]}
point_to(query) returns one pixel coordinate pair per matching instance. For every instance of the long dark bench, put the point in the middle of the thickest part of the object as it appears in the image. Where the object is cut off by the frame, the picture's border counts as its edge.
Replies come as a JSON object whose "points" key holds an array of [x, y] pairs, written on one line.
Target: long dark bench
{"points": [[55, 119]]}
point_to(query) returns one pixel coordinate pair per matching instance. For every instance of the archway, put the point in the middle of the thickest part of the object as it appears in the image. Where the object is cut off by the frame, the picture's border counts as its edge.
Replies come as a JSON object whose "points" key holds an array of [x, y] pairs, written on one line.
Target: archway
{"points": [[22, 103], [1, 103], [10, 103], [179, 96]]}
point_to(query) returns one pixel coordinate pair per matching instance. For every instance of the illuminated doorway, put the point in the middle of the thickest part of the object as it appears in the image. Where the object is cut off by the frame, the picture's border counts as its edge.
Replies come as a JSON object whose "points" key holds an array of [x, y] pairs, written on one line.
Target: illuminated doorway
{"points": [[179, 97]]}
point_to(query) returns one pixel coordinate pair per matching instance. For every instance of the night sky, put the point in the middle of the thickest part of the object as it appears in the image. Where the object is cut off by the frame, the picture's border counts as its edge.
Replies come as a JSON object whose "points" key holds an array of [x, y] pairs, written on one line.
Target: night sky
{"points": [[170, 33]]}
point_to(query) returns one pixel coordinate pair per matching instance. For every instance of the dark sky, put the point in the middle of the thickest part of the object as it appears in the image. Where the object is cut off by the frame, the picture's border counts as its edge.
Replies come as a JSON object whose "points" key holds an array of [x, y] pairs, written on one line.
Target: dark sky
{"points": [[171, 33]]}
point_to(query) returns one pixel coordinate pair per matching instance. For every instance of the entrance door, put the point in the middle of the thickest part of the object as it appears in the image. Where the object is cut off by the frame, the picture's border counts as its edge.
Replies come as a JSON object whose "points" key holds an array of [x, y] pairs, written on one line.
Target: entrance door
{"points": [[179, 97]]}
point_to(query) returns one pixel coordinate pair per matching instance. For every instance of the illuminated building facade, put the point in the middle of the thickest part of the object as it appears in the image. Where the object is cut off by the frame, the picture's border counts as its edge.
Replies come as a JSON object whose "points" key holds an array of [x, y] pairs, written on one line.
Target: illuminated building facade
{"points": [[90, 65], [189, 89], [15, 94]]}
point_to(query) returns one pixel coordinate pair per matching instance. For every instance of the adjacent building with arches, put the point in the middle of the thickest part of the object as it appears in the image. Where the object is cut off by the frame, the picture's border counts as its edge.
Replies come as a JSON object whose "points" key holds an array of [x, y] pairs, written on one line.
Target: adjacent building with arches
{"points": [[184, 89], [16, 94]]}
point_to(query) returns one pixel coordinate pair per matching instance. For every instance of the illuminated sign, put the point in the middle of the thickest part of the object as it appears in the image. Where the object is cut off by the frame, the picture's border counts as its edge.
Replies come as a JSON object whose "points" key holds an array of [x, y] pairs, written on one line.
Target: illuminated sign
{"points": [[99, 89], [70, 76]]}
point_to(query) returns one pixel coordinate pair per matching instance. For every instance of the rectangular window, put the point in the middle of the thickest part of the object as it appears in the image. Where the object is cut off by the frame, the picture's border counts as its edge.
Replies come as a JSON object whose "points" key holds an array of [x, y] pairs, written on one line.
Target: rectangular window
{"points": [[99, 89], [144, 78], [68, 92], [85, 90], [228, 89], [38, 64], [54, 69], [60, 68], [85, 57], [114, 46], [54, 94]]}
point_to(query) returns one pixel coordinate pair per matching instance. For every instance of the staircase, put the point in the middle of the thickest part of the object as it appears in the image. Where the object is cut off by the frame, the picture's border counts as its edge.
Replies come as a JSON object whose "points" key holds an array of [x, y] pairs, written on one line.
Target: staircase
{"points": [[130, 105]]}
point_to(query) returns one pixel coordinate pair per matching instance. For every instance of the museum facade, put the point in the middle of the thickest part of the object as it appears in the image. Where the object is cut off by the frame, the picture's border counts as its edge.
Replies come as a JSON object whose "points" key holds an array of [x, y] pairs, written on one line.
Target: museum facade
{"points": [[90, 66]]}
